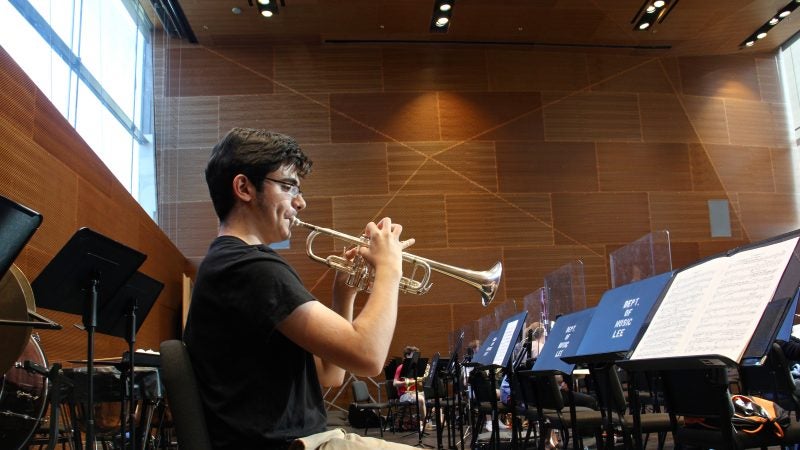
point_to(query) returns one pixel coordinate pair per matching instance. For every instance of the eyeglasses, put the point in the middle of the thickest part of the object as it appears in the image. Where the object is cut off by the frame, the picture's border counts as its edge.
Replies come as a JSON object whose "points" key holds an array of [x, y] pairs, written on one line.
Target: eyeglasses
{"points": [[292, 189]]}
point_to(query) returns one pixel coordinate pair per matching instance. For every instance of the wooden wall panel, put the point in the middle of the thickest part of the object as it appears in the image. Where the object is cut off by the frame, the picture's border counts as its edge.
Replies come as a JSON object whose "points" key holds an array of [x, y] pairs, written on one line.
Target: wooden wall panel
{"points": [[304, 118], [528, 156], [431, 69], [200, 72], [364, 172], [546, 166], [766, 215], [599, 218], [720, 76], [708, 118], [591, 117], [422, 216], [704, 174], [664, 119], [193, 116], [494, 115], [685, 215], [474, 220], [524, 71], [447, 167], [384, 117], [747, 169], [643, 167], [786, 169], [756, 123], [610, 73], [326, 69]]}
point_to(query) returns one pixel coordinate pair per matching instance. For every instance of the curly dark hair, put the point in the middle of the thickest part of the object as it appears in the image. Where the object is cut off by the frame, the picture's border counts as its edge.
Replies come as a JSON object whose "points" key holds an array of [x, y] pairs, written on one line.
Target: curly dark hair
{"points": [[253, 153]]}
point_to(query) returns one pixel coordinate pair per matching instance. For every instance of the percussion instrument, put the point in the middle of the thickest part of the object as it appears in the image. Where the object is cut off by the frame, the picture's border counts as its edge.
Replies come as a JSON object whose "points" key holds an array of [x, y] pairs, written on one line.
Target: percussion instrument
{"points": [[16, 299], [361, 275], [23, 398]]}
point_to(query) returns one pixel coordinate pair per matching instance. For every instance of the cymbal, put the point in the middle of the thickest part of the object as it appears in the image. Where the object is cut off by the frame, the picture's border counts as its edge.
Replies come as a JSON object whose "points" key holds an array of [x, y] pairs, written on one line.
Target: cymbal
{"points": [[16, 299]]}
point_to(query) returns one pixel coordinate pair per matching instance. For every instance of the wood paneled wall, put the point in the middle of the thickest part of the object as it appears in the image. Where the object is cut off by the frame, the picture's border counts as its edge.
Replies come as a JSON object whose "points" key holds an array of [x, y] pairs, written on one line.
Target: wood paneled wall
{"points": [[45, 165], [531, 157]]}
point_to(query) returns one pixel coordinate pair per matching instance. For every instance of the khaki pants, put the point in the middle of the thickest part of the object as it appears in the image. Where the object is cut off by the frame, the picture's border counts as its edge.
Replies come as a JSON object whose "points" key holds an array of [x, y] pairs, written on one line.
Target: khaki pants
{"points": [[338, 439]]}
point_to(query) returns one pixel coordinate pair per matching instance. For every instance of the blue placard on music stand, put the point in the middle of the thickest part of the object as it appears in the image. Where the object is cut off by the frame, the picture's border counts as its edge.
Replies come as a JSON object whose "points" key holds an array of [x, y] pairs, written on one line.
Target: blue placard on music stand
{"points": [[785, 332], [498, 348], [563, 341], [619, 317]]}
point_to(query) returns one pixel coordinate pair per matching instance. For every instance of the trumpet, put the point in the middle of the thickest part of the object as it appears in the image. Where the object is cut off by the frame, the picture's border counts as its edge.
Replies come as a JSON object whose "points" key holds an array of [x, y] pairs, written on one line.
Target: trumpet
{"points": [[361, 274]]}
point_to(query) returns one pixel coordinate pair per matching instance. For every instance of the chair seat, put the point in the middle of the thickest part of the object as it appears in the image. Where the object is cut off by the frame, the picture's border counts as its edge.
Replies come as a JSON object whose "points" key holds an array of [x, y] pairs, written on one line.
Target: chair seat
{"points": [[713, 438]]}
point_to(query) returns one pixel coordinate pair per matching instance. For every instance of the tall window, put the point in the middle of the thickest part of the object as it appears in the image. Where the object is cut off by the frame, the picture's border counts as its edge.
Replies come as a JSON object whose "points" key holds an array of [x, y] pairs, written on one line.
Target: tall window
{"points": [[93, 59], [790, 68]]}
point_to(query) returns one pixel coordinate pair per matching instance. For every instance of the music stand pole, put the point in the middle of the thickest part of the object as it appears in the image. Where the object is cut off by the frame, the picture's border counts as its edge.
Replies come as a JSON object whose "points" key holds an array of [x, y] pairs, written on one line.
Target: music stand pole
{"points": [[131, 338], [90, 323]]}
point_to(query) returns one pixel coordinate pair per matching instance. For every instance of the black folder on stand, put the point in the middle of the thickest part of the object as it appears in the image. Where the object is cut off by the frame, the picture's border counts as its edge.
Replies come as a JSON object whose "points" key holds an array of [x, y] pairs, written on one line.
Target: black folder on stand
{"points": [[618, 319]]}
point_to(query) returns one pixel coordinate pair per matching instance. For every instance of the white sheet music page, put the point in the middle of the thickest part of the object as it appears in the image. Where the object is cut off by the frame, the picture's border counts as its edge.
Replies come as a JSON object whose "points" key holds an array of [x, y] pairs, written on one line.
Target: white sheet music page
{"points": [[714, 307], [505, 342]]}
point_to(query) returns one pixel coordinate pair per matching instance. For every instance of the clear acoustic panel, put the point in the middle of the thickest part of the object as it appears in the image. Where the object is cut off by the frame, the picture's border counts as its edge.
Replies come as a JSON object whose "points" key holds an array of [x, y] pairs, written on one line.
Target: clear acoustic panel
{"points": [[647, 256], [566, 289], [536, 303], [504, 311]]}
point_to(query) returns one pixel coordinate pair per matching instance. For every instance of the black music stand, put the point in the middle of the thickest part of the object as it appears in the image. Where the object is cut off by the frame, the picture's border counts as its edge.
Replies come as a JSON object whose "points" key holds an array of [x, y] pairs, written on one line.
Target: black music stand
{"points": [[83, 278], [139, 293]]}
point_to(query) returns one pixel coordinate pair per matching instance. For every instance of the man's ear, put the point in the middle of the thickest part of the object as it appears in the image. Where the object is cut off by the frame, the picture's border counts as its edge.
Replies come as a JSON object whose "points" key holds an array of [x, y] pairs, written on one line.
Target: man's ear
{"points": [[243, 189]]}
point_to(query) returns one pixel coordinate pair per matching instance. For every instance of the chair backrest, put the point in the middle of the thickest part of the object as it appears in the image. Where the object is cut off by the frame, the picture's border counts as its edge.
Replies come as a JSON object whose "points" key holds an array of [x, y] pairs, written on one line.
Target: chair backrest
{"points": [[360, 392], [391, 391], [772, 380], [183, 396]]}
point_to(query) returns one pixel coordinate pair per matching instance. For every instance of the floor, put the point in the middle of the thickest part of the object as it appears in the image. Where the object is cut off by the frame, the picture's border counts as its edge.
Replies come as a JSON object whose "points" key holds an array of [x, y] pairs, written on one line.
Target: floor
{"points": [[338, 419]]}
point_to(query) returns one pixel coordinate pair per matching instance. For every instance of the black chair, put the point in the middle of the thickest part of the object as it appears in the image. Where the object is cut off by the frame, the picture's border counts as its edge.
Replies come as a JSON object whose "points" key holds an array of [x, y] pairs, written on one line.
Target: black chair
{"points": [[399, 412], [704, 394], [542, 391], [364, 404], [612, 399], [772, 380], [183, 396]]}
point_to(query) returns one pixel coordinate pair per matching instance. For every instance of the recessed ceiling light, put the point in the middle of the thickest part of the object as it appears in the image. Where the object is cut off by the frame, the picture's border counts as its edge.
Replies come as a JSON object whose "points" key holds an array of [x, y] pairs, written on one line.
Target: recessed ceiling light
{"points": [[784, 13], [651, 9], [774, 21], [445, 7], [263, 2], [644, 25], [658, 3], [266, 13], [442, 21], [749, 43], [761, 35]]}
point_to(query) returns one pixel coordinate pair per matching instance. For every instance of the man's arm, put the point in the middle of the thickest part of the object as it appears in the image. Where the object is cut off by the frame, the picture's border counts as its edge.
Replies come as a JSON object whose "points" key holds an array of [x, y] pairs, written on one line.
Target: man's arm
{"points": [[358, 345]]}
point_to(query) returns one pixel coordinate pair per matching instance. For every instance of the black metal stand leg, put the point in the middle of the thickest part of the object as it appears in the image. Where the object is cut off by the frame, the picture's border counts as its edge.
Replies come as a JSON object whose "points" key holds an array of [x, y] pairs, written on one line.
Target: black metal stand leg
{"points": [[90, 323]]}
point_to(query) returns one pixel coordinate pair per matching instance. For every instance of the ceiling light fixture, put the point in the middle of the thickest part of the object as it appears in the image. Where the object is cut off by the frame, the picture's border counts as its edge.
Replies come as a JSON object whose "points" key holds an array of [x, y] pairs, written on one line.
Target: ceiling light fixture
{"points": [[651, 12], [267, 8], [762, 31], [442, 12]]}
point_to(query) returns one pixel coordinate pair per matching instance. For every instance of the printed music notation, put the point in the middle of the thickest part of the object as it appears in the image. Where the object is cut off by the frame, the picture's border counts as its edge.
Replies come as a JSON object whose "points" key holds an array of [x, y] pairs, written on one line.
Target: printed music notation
{"points": [[714, 308]]}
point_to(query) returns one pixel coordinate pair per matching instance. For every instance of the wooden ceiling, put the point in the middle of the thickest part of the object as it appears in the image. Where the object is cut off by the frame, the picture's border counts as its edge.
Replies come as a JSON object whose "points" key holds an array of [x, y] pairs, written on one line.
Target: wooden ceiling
{"points": [[692, 27]]}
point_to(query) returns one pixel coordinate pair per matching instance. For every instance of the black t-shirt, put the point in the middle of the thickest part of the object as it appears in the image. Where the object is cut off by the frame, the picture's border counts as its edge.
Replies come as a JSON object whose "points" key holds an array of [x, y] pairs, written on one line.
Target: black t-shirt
{"points": [[260, 390]]}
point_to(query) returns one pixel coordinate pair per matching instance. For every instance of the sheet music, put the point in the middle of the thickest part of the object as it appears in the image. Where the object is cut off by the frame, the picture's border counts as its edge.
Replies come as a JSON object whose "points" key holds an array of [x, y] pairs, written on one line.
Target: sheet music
{"points": [[714, 307], [505, 342]]}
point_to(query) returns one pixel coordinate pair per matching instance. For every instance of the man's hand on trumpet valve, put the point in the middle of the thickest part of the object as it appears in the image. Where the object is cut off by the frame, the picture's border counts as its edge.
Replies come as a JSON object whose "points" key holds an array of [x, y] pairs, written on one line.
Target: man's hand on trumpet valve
{"points": [[385, 248]]}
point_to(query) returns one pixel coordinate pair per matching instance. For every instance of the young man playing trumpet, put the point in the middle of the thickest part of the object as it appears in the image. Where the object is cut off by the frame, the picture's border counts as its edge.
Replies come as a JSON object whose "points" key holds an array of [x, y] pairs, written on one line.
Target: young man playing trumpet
{"points": [[261, 344]]}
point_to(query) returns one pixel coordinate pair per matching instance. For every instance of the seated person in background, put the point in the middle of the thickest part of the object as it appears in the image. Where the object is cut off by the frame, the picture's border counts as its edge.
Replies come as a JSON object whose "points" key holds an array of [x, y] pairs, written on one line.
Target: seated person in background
{"points": [[407, 387]]}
